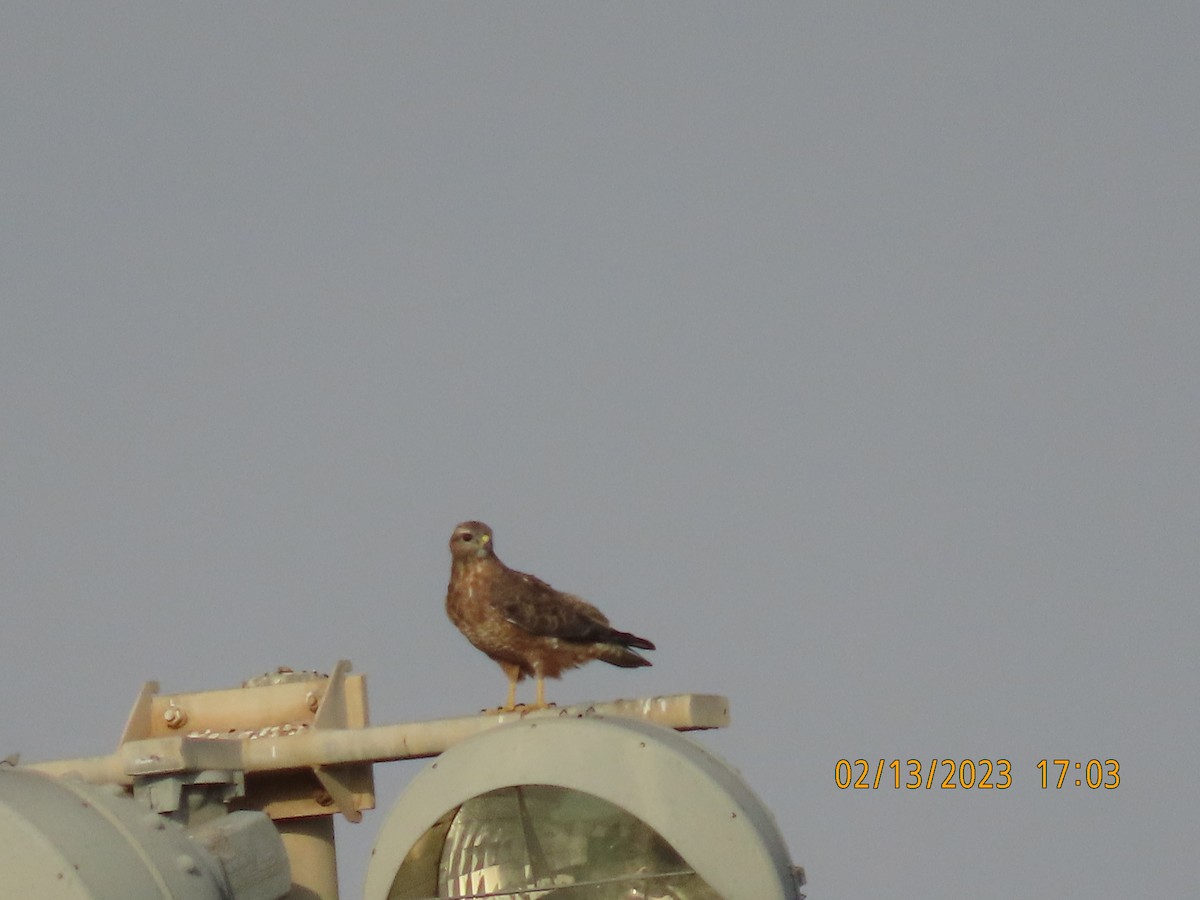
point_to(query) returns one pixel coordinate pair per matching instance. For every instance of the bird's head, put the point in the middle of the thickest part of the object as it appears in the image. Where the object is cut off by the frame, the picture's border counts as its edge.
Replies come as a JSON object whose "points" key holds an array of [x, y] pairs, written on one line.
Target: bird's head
{"points": [[471, 540]]}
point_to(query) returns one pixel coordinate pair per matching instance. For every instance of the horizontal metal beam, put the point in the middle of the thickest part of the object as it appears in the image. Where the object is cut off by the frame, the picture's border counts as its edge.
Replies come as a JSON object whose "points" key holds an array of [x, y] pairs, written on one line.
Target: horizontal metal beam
{"points": [[306, 746]]}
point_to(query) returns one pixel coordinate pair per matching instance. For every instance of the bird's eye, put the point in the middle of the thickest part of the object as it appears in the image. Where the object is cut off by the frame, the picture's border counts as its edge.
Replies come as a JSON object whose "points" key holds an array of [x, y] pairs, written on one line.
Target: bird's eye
{"points": [[466, 536]]}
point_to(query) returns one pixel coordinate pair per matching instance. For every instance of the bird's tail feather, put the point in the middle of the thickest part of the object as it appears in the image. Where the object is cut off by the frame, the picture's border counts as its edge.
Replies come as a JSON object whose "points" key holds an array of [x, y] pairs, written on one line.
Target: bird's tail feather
{"points": [[617, 655], [626, 639]]}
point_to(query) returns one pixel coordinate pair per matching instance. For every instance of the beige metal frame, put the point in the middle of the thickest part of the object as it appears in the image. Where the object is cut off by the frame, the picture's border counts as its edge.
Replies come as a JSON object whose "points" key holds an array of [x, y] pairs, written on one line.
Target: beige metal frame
{"points": [[305, 749]]}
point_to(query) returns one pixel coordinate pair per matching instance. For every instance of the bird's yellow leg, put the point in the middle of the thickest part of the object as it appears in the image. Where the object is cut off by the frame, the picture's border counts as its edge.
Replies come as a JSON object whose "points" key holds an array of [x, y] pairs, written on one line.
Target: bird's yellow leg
{"points": [[540, 702], [512, 673]]}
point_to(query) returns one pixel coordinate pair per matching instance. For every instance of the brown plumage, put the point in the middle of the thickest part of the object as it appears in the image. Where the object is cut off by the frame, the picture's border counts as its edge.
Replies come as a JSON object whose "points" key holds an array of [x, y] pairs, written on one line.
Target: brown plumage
{"points": [[522, 623]]}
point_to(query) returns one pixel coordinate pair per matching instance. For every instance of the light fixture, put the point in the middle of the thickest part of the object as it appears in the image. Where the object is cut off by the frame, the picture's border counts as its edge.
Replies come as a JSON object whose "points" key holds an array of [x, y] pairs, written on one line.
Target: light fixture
{"points": [[580, 808]]}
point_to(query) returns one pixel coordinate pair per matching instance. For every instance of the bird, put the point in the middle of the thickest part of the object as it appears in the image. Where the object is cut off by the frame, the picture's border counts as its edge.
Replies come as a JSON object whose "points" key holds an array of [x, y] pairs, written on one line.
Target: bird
{"points": [[521, 622]]}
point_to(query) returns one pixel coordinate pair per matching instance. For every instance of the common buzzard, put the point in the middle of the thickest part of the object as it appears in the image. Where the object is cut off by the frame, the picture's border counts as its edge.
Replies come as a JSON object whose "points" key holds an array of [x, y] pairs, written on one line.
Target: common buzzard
{"points": [[522, 623]]}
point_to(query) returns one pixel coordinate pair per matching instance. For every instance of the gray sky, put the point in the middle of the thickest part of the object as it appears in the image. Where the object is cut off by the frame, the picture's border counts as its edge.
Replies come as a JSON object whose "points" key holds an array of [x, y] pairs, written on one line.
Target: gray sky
{"points": [[848, 351]]}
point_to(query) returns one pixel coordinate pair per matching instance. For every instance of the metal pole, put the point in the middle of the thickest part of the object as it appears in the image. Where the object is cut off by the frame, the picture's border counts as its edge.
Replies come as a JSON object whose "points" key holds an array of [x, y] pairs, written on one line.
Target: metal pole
{"points": [[313, 856]]}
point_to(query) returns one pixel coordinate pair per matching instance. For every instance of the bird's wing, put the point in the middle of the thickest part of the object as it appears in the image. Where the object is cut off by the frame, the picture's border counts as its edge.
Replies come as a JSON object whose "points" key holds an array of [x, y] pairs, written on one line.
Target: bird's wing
{"points": [[534, 606]]}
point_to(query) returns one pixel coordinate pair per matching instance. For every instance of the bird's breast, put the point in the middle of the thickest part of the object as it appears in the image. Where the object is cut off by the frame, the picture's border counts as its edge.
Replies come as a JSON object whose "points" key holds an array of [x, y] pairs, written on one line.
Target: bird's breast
{"points": [[468, 599]]}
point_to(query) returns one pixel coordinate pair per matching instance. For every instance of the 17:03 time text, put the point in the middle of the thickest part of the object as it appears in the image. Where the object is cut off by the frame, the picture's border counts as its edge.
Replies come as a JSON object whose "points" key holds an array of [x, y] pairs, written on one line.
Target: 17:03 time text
{"points": [[1093, 773]]}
